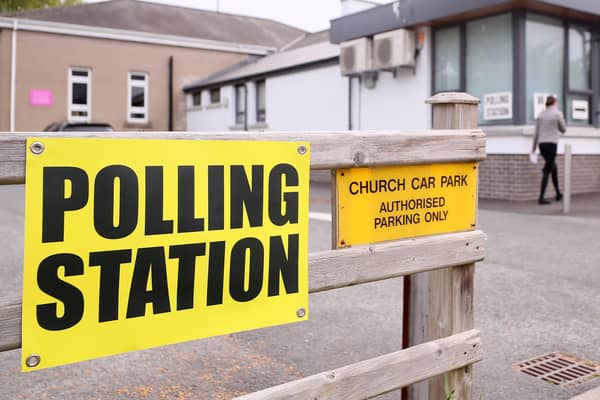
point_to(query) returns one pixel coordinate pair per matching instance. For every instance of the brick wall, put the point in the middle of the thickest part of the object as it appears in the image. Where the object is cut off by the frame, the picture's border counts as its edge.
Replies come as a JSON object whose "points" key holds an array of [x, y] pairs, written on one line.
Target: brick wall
{"points": [[513, 177]]}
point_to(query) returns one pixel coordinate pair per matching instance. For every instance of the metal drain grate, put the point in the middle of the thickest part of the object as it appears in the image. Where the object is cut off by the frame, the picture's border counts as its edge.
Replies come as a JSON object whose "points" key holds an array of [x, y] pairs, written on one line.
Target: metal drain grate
{"points": [[560, 369]]}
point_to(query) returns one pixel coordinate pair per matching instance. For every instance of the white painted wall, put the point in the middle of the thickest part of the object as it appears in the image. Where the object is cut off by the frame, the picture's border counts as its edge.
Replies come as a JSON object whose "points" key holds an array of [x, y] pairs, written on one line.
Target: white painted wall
{"points": [[212, 117], [315, 100], [399, 102], [518, 140]]}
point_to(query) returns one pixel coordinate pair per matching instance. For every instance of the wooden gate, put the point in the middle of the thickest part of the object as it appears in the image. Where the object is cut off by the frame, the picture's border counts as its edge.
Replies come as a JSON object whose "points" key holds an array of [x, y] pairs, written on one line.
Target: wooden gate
{"points": [[439, 300]]}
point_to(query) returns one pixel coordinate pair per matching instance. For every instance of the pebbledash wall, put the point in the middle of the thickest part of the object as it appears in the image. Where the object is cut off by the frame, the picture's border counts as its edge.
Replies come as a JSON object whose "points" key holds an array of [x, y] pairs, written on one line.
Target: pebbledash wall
{"points": [[507, 173]]}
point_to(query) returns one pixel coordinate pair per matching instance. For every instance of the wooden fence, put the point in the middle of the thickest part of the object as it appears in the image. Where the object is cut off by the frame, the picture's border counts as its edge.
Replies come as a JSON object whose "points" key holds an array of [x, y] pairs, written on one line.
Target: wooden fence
{"points": [[439, 311]]}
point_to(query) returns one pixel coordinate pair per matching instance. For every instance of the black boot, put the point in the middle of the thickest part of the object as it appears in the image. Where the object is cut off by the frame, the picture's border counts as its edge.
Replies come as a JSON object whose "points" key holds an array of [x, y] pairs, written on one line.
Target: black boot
{"points": [[541, 199], [555, 183], [558, 196]]}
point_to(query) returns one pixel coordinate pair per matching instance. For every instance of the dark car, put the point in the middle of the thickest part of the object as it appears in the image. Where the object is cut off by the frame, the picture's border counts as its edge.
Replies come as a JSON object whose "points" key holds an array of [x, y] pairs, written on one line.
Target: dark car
{"points": [[79, 127]]}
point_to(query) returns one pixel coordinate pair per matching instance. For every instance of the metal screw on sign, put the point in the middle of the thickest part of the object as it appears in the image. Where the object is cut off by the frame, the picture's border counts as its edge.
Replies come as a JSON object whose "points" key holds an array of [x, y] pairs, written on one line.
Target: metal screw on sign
{"points": [[301, 312], [37, 148], [33, 360], [302, 150]]}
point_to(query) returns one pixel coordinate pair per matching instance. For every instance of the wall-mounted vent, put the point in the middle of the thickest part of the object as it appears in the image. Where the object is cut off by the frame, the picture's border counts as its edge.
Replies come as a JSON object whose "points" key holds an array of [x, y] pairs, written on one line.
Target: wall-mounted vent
{"points": [[394, 49], [356, 56]]}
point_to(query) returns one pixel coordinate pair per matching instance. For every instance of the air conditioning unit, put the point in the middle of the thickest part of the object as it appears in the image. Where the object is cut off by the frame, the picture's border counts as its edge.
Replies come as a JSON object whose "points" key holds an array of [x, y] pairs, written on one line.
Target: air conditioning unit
{"points": [[394, 49], [356, 56]]}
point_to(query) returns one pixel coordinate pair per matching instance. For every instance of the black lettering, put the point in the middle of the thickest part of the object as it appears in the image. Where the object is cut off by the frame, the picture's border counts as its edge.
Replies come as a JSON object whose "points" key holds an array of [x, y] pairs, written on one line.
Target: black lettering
{"points": [[186, 253], [353, 191], [155, 222], [110, 268], [55, 204], [104, 206], [245, 196], [186, 188], [150, 260], [280, 265], [251, 250], [71, 297], [216, 268], [276, 199], [216, 197]]}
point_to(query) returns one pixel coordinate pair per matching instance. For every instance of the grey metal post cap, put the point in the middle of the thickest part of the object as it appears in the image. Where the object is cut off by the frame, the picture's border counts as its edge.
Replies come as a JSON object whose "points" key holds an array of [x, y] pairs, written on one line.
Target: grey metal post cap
{"points": [[452, 98]]}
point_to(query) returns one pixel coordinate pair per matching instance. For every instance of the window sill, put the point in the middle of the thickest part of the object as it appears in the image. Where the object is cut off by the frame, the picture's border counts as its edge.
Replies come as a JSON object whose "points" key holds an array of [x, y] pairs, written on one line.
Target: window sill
{"points": [[214, 106], [137, 125], [259, 126], [236, 128]]}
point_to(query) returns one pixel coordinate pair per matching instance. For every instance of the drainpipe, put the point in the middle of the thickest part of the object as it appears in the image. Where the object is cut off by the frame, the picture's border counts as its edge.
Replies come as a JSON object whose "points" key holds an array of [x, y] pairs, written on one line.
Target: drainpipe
{"points": [[13, 75], [349, 103], [170, 93]]}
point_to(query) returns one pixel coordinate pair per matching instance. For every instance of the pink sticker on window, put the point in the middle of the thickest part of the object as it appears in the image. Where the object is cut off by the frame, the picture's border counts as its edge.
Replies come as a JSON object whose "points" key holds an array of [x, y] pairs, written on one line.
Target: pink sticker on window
{"points": [[40, 97]]}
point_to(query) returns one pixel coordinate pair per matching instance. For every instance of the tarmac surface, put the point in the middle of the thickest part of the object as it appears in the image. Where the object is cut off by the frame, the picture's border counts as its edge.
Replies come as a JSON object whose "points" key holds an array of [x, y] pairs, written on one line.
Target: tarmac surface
{"points": [[536, 292]]}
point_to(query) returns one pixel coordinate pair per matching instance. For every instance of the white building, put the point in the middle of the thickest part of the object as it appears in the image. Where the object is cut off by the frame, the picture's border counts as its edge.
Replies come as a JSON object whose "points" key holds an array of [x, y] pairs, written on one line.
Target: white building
{"points": [[508, 53]]}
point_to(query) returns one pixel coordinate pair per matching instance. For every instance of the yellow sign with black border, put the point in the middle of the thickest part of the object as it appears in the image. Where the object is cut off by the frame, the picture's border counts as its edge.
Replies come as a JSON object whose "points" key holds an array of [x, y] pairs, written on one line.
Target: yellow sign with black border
{"points": [[131, 244], [386, 203]]}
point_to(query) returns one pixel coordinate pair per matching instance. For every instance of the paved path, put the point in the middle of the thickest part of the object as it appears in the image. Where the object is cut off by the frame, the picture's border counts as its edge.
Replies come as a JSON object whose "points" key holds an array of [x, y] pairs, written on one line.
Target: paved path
{"points": [[536, 292]]}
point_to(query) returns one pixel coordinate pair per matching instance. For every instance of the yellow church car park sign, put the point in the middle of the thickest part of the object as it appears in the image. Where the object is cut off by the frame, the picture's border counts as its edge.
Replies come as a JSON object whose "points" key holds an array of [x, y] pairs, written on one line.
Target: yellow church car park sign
{"points": [[131, 244], [386, 203]]}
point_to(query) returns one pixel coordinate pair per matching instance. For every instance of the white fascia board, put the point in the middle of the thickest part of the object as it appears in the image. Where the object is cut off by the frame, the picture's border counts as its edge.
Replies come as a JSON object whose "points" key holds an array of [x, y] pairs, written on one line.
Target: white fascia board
{"points": [[133, 36]]}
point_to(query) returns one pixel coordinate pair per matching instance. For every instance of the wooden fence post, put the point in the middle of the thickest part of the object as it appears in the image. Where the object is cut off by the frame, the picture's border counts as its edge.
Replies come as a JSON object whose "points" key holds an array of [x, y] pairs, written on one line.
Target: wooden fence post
{"points": [[441, 302]]}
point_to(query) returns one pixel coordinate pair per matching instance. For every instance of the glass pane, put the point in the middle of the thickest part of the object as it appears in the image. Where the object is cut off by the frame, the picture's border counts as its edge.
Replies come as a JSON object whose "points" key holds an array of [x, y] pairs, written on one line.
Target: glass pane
{"points": [[215, 95], [580, 53], [261, 116], [137, 115], [137, 96], [197, 98], [489, 66], [240, 98], [260, 95], [138, 77], [79, 73], [578, 110], [80, 93], [544, 61], [447, 59], [239, 118]]}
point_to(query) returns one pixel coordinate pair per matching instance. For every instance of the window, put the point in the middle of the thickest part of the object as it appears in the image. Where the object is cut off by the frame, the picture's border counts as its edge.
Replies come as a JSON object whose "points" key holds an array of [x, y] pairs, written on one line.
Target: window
{"points": [[544, 62], [579, 93], [80, 99], [215, 95], [137, 111], [447, 60], [240, 104], [196, 99], [261, 111], [490, 54]]}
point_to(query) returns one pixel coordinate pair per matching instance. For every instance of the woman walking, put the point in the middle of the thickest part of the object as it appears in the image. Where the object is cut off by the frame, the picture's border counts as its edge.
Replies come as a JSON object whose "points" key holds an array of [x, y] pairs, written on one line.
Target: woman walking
{"points": [[548, 128]]}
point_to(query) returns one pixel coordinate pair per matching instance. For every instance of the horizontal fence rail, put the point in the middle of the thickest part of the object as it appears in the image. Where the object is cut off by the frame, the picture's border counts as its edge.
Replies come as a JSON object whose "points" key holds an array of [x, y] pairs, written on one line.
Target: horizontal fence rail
{"points": [[328, 149], [383, 374], [334, 269]]}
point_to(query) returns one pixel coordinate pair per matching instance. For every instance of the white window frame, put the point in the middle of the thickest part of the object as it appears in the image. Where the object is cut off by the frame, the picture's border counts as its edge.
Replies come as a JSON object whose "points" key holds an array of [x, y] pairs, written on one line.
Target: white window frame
{"points": [[71, 108], [138, 110]]}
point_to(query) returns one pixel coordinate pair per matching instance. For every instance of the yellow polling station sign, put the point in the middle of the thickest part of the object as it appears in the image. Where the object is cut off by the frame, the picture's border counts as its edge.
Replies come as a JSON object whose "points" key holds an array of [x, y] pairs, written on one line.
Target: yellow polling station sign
{"points": [[131, 244], [386, 203]]}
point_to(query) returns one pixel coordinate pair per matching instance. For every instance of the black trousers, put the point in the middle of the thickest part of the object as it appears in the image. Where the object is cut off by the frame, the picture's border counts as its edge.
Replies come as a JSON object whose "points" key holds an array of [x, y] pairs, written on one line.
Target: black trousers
{"points": [[548, 151]]}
